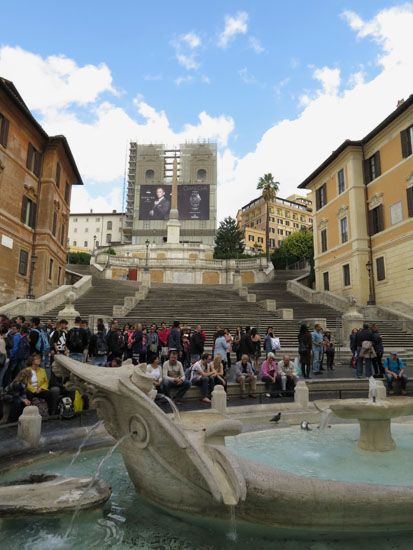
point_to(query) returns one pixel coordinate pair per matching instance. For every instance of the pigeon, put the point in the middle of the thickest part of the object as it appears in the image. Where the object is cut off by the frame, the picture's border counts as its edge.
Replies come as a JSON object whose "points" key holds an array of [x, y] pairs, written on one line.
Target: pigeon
{"points": [[276, 418], [305, 426]]}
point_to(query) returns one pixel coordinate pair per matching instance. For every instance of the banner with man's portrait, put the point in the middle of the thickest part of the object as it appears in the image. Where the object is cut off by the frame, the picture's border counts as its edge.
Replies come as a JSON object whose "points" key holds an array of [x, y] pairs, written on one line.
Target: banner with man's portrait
{"points": [[155, 202], [193, 202]]}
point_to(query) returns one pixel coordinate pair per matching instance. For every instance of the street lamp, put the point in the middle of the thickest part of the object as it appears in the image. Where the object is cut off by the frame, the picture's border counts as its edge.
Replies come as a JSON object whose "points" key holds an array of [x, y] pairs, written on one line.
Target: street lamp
{"points": [[372, 300], [147, 243], [94, 243], [30, 294]]}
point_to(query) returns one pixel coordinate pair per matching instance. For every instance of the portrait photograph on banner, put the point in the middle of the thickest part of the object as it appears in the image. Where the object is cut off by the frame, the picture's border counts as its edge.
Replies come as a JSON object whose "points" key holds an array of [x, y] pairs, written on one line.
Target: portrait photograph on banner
{"points": [[155, 202]]}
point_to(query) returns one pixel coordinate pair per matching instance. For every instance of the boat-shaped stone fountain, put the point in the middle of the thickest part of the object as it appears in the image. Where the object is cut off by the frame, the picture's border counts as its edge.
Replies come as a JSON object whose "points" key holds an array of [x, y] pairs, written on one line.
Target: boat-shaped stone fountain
{"points": [[186, 466]]}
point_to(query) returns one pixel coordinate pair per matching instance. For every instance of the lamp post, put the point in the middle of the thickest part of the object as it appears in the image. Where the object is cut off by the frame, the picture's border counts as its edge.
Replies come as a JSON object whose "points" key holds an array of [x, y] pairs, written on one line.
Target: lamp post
{"points": [[372, 299], [94, 243], [30, 294], [147, 243]]}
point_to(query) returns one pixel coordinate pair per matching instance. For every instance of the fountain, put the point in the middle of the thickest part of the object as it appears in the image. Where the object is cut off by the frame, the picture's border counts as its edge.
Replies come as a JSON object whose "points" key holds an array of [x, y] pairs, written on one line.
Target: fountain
{"points": [[196, 468]]}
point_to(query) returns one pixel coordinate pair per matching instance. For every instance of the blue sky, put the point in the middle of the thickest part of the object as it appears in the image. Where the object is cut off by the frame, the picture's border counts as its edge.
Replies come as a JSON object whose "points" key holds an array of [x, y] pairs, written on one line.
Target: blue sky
{"points": [[246, 83]]}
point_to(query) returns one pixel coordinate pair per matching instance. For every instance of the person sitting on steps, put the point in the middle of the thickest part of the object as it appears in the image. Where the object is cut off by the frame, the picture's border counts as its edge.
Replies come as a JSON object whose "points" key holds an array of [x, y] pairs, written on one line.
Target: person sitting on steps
{"points": [[244, 372], [173, 376], [202, 375], [394, 372]]}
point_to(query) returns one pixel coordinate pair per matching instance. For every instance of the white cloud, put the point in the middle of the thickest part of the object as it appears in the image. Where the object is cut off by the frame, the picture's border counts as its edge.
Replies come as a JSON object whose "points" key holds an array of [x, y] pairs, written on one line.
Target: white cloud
{"points": [[255, 45], [233, 26], [292, 149], [183, 80], [60, 82], [185, 47], [247, 77], [278, 88]]}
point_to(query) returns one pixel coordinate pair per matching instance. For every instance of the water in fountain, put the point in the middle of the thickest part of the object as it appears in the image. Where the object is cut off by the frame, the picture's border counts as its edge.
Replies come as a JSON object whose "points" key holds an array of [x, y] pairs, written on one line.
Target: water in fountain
{"points": [[325, 417], [373, 389], [95, 477], [174, 408], [85, 440], [232, 534]]}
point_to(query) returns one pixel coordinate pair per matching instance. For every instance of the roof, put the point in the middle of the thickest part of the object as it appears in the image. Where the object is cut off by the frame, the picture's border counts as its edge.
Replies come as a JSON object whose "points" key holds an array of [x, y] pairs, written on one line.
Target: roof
{"points": [[298, 204], [359, 143], [11, 91], [96, 214]]}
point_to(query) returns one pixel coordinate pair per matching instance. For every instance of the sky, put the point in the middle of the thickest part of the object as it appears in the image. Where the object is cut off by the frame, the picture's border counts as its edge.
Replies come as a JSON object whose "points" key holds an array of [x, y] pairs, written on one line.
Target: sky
{"points": [[278, 85]]}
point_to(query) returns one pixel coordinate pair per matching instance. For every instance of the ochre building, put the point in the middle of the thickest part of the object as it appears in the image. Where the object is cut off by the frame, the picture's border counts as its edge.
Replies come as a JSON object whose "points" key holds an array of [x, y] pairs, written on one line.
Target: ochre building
{"points": [[363, 216], [36, 176], [286, 216]]}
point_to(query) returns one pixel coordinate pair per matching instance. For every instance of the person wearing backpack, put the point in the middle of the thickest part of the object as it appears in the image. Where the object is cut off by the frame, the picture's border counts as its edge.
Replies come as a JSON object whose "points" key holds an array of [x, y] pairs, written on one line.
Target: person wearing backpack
{"points": [[39, 343], [22, 352], [76, 341], [98, 347]]}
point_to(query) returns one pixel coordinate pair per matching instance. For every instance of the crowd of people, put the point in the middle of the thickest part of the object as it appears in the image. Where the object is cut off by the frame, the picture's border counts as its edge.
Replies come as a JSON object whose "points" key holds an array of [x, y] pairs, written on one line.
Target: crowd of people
{"points": [[176, 357]]}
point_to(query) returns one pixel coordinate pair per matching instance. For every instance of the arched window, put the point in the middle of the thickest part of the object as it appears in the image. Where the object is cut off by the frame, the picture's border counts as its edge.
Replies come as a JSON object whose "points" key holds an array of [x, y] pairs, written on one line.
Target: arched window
{"points": [[149, 175], [201, 175]]}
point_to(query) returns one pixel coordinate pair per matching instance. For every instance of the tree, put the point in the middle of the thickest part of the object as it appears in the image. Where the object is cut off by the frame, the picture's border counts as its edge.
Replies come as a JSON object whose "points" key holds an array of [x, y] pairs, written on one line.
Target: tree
{"points": [[78, 258], [269, 189], [229, 240], [297, 246]]}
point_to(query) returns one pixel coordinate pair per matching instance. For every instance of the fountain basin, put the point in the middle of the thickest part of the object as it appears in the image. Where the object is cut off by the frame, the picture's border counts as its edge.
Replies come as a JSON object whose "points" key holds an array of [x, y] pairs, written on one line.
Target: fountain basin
{"points": [[50, 494]]}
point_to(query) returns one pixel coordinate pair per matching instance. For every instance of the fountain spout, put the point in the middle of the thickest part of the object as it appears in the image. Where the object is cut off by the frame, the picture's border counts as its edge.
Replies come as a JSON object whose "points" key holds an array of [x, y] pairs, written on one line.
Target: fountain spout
{"points": [[373, 389]]}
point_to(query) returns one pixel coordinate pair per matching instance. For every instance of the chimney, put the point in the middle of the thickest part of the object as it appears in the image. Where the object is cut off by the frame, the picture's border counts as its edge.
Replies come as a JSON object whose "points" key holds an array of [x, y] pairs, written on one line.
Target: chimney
{"points": [[400, 102], [91, 210]]}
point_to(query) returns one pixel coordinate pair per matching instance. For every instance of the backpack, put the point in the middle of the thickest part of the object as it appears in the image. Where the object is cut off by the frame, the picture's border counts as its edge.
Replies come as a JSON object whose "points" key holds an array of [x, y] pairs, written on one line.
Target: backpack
{"points": [[75, 339], [23, 349], [65, 408], [42, 344], [101, 344]]}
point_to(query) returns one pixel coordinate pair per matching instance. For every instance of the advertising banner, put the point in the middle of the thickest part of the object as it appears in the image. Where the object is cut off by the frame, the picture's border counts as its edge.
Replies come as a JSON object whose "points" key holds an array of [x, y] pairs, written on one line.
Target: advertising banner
{"points": [[193, 202], [155, 202]]}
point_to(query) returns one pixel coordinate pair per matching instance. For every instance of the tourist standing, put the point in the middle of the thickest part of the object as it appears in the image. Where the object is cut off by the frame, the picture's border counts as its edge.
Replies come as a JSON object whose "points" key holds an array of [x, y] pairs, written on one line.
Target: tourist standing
{"points": [[365, 351], [152, 345], [221, 346], [174, 338], [379, 349], [98, 347], [237, 341], [163, 335], [245, 345], [229, 340], [353, 347], [196, 344], [115, 342], [305, 345], [76, 341], [329, 349], [268, 340], [317, 343], [256, 349]]}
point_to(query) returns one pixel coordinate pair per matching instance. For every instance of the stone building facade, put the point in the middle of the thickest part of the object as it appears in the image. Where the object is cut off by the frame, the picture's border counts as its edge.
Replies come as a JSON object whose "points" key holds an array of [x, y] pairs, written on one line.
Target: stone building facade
{"points": [[36, 176], [150, 172], [91, 230], [363, 196], [286, 216]]}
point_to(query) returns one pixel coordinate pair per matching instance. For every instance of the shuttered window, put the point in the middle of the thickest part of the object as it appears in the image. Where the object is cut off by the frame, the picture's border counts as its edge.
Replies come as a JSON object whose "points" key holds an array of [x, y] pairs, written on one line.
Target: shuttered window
{"points": [[321, 196], [62, 234], [4, 130], [341, 182], [323, 235], [54, 225], [406, 138], [344, 230], [346, 275], [376, 220], [67, 193], [381, 274], [409, 192], [51, 269], [34, 160], [326, 281], [58, 175], [373, 167], [28, 213], [23, 262]]}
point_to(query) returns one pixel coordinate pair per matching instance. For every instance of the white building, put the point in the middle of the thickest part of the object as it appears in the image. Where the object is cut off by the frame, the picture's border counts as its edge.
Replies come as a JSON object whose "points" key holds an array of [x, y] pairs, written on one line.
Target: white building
{"points": [[91, 230]]}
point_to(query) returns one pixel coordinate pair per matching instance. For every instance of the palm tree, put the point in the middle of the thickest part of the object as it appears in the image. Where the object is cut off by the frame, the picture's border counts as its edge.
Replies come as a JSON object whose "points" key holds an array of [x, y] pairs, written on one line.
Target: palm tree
{"points": [[269, 189]]}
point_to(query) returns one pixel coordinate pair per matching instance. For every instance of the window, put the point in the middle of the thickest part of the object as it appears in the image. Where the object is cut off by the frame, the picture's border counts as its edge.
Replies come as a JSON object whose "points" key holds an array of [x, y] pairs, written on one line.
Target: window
{"points": [[59, 275], [97, 230], [28, 214], [346, 275], [97, 220], [74, 243], [54, 224], [406, 141], [280, 221], [323, 240], [302, 218], [326, 282], [75, 219], [272, 229], [340, 179], [250, 237], [295, 217], [272, 243], [149, 175], [23, 262], [109, 225], [373, 167], [108, 238], [34, 160], [376, 220], [381, 274], [58, 175], [280, 231], [62, 234], [410, 201], [260, 239], [321, 196], [97, 244], [4, 130], [396, 213], [201, 175], [86, 230], [50, 269], [296, 225], [288, 233], [344, 230], [85, 244], [67, 193], [75, 230]]}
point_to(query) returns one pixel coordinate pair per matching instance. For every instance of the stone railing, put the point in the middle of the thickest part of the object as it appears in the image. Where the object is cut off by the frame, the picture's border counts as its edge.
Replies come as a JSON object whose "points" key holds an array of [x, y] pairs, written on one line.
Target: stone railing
{"points": [[297, 287], [48, 301]]}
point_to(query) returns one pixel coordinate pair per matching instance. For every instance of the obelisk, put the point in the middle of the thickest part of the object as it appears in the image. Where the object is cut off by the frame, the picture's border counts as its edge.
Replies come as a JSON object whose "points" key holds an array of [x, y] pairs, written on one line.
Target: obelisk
{"points": [[174, 225]]}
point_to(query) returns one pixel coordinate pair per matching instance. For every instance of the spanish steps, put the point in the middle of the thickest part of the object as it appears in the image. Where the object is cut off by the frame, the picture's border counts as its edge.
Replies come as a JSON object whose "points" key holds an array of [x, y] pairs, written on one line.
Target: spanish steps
{"points": [[221, 305]]}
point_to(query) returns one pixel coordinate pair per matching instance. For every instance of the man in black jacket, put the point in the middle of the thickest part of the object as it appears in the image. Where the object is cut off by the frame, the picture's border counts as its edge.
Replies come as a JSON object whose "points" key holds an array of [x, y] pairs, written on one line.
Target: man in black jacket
{"points": [[76, 341], [115, 342], [245, 345], [196, 344], [365, 351]]}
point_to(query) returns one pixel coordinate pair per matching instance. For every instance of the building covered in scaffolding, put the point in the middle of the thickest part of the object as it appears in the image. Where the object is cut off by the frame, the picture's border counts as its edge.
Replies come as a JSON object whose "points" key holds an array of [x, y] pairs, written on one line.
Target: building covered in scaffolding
{"points": [[149, 193]]}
